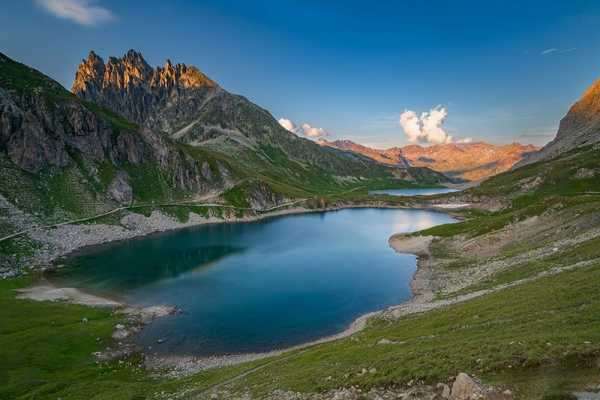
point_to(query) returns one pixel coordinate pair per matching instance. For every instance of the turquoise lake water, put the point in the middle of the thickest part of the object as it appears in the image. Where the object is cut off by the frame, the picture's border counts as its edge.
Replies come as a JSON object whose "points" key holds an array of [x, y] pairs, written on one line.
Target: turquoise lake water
{"points": [[259, 286], [413, 192]]}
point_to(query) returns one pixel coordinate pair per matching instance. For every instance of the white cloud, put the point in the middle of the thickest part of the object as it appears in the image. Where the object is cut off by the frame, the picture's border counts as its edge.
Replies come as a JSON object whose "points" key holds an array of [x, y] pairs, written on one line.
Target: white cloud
{"points": [[426, 128], [313, 132], [554, 50], [287, 124], [465, 140], [410, 122], [82, 12], [305, 129], [432, 126]]}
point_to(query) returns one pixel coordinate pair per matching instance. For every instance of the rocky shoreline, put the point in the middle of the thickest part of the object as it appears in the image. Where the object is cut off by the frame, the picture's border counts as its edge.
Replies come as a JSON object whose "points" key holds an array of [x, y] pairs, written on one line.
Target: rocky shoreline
{"points": [[66, 239]]}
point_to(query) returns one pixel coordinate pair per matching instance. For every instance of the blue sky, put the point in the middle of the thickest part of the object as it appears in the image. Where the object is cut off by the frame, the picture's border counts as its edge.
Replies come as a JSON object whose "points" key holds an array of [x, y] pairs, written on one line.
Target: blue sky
{"points": [[502, 70]]}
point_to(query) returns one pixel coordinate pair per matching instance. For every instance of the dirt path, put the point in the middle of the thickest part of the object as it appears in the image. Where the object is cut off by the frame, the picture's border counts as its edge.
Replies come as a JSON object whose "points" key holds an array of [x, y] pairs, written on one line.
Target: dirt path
{"points": [[131, 207], [201, 392]]}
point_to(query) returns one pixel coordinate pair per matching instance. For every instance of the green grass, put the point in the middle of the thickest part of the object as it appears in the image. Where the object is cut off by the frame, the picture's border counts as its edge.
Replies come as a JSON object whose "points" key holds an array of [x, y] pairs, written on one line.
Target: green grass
{"points": [[46, 351], [559, 188], [26, 80], [237, 196], [118, 123]]}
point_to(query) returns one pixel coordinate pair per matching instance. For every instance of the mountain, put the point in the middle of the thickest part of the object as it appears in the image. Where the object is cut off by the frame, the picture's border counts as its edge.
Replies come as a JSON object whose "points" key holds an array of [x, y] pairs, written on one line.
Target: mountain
{"points": [[61, 153], [469, 161], [118, 140], [189, 107], [164, 98], [580, 127], [382, 156]]}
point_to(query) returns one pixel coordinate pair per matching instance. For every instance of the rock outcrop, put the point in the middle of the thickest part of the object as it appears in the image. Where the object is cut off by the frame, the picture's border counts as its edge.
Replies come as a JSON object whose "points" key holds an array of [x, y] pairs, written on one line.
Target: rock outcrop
{"points": [[467, 388], [154, 97], [120, 189]]}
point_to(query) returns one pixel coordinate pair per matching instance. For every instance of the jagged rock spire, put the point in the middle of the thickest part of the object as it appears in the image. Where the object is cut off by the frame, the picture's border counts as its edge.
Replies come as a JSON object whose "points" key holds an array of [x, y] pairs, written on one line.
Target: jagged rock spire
{"points": [[132, 88], [132, 70]]}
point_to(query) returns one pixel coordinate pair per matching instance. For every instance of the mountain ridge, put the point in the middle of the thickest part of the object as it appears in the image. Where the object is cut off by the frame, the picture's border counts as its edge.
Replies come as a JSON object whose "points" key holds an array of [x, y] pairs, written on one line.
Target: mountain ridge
{"points": [[471, 161]]}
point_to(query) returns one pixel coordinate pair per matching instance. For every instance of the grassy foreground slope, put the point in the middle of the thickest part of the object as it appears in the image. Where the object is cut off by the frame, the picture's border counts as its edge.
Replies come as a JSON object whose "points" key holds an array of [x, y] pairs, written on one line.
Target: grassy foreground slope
{"points": [[539, 338]]}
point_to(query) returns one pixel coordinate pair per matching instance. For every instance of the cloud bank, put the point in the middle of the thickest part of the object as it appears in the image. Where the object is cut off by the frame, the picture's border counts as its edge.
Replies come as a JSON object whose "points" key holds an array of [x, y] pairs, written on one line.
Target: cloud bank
{"points": [[304, 129], [427, 127], [82, 12]]}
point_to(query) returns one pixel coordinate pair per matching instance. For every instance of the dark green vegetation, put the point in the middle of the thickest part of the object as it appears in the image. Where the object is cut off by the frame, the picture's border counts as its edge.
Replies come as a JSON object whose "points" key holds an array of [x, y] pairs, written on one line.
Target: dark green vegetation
{"points": [[48, 354]]}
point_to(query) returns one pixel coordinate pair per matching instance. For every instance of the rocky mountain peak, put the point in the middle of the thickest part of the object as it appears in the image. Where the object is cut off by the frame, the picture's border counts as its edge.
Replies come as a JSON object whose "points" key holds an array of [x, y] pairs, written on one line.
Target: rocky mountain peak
{"points": [[91, 69], [131, 87], [131, 71], [133, 57]]}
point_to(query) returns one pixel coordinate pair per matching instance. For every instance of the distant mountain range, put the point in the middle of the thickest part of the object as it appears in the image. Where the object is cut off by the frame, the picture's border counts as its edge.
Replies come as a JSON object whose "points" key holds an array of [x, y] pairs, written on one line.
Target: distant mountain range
{"points": [[469, 161]]}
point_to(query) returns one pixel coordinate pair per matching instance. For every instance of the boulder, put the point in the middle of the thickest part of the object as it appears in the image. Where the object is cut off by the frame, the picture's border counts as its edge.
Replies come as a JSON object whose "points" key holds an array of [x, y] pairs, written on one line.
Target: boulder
{"points": [[466, 388], [119, 189]]}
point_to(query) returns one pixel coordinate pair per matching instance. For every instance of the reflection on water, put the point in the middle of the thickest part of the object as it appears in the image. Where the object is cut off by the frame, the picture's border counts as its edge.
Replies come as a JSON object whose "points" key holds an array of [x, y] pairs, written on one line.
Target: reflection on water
{"points": [[250, 287], [122, 272], [412, 192]]}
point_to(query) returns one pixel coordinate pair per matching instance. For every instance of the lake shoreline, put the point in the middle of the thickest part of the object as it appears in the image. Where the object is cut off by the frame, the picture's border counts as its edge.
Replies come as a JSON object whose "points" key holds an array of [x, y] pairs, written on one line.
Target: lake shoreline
{"points": [[67, 240], [185, 365]]}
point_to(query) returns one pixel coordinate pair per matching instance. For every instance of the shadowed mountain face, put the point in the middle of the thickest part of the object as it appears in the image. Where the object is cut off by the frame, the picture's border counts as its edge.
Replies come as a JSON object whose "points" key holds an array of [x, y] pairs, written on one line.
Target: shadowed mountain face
{"points": [[470, 161], [580, 127]]}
